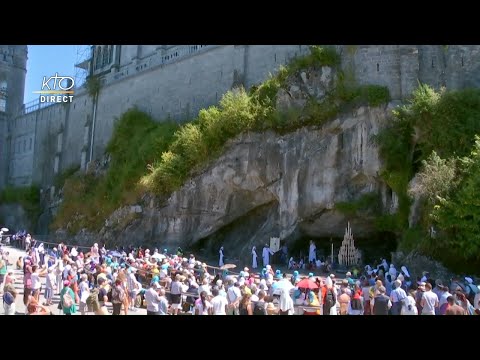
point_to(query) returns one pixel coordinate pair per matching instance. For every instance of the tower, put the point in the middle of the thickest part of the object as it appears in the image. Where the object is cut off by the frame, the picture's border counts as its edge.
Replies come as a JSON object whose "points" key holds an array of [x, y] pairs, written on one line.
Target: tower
{"points": [[13, 70]]}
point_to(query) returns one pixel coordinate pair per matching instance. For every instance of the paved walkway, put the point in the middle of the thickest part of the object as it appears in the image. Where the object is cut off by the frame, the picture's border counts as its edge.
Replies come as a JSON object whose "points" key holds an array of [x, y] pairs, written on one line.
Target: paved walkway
{"points": [[20, 307]]}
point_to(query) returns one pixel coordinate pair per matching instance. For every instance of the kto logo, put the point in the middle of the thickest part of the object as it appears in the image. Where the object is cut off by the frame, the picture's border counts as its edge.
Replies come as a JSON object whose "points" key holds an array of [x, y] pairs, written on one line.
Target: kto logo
{"points": [[56, 89]]}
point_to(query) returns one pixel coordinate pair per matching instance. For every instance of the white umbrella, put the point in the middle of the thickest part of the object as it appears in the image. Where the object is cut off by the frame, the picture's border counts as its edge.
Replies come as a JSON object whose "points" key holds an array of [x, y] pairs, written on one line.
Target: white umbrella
{"points": [[285, 284], [158, 256]]}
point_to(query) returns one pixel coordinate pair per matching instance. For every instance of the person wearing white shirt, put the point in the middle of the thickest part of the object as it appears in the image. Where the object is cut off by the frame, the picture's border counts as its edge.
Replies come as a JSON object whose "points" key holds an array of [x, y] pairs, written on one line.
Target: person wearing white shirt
{"points": [[233, 297], [153, 300], [133, 287], [397, 295], [202, 305], [204, 287], [84, 293], [36, 283], [429, 301], [219, 303], [74, 253], [49, 286]]}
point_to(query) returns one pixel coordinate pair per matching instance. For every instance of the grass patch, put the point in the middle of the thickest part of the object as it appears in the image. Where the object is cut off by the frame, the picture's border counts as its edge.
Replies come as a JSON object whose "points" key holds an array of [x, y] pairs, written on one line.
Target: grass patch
{"points": [[429, 135], [136, 142], [59, 180]]}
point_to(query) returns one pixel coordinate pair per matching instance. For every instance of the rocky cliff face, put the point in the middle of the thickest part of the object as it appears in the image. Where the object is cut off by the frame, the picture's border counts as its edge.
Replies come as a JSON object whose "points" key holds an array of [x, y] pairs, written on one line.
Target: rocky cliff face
{"points": [[14, 217], [267, 184]]}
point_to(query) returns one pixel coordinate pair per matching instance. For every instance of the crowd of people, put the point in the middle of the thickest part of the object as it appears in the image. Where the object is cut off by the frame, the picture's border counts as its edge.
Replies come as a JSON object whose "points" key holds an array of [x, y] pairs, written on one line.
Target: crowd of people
{"points": [[171, 284]]}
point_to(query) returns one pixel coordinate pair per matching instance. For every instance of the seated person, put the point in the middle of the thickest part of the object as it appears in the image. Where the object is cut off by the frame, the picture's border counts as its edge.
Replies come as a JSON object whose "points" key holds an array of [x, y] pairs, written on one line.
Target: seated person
{"points": [[19, 263], [34, 308]]}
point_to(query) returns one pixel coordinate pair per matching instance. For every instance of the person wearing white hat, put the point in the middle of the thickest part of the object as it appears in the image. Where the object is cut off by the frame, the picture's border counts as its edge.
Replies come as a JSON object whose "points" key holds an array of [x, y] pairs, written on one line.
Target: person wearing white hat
{"points": [[246, 273], [392, 271]]}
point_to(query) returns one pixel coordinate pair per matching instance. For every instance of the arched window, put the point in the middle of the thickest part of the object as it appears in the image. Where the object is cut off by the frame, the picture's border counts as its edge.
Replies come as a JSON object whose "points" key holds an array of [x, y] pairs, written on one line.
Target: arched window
{"points": [[3, 95], [98, 61]]}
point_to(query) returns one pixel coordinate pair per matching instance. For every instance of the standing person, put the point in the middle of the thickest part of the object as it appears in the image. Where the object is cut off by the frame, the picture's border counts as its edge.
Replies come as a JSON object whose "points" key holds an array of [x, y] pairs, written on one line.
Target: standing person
{"points": [[429, 300], [152, 298], [133, 287], [442, 300], [286, 306], [176, 293], [397, 296], [381, 303], [260, 307], [245, 305], [312, 255], [95, 253], [233, 296], [3, 271], [36, 282], [59, 267], [102, 296], [41, 254], [9, 296], [266, 255], [27, 281], [84, 291], [409, 306], [50, 285], [67, 299], [219, 302], [220, 260], [454, 309], [118, 297], [344, 301], [202, 305], [74, 253], [254, 258], [419, 296]]}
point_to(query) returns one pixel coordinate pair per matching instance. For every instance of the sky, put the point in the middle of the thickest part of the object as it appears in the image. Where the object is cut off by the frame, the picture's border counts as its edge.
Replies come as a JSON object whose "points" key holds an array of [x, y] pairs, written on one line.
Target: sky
{"points": [[46, 60]]}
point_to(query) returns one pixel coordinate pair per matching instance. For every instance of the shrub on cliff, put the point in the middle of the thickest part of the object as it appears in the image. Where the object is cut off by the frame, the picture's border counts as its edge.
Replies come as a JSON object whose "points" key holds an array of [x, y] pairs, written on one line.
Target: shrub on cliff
{"points": [[428, 136], [137, 141]]}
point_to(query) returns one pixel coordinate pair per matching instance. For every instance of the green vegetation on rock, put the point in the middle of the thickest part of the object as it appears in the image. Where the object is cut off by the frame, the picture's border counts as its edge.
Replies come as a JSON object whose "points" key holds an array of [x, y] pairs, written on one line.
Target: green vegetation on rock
{"points": [[136, 142], [433, 136], [202, 140], [174, 154]]}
